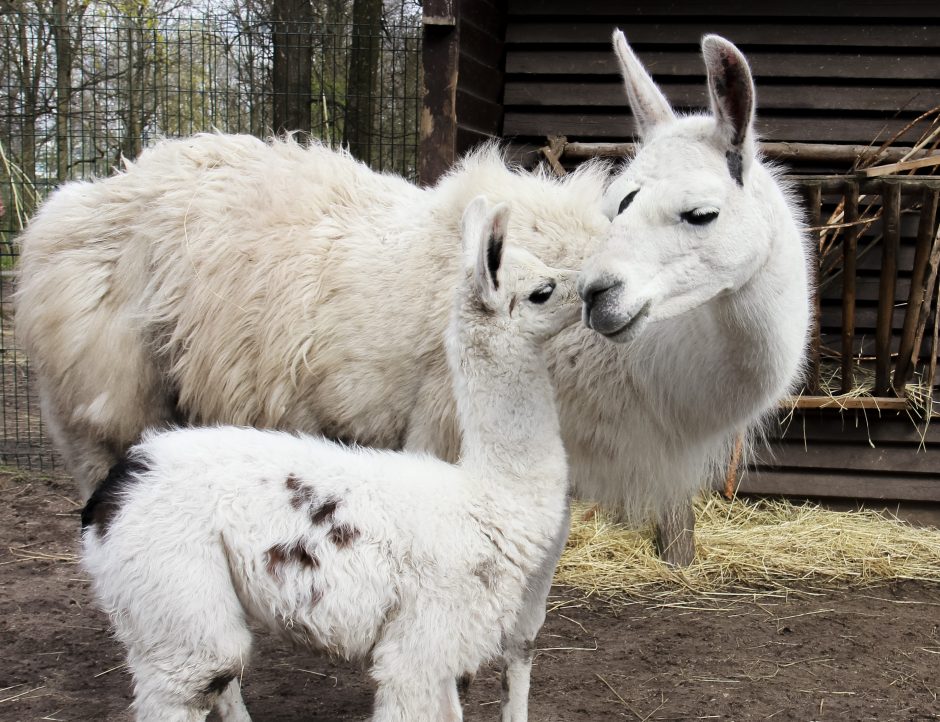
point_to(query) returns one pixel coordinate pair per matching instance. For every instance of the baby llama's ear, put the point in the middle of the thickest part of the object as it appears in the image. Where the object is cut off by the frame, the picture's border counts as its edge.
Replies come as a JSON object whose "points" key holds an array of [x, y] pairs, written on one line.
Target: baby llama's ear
{"points": [[491, 241], [471, 229]]}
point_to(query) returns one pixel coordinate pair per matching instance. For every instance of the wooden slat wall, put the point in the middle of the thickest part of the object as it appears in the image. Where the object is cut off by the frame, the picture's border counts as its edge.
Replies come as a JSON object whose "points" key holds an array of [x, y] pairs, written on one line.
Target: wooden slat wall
{"points": [[825, 72], [854, 454], [822, 76], [463, 63]]}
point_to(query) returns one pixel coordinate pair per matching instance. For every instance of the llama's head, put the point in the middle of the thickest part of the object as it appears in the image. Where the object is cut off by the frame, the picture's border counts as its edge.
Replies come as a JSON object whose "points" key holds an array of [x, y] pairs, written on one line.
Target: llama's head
{"points": [[507, 290], [689, 221]]}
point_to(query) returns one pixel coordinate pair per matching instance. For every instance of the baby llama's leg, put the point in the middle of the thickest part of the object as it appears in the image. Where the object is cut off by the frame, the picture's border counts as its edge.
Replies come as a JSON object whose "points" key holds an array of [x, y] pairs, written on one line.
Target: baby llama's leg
{"points": [[517, 648], [186, 645], [185, 687], [230, 706], [413, 683]]}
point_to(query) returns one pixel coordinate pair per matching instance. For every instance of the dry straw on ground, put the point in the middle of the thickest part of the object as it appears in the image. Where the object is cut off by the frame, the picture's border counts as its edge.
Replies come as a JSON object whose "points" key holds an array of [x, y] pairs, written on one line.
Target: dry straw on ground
{"points": [[746, 548]]}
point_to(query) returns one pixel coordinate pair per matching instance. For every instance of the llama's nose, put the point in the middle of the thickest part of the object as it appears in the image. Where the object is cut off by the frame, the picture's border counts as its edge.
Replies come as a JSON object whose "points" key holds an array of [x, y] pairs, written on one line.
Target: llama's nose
{"points": [[600, 297]]}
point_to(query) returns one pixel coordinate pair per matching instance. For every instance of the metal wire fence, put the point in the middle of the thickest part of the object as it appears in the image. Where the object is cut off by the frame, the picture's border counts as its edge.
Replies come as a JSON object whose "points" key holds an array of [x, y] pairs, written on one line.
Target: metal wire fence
{"points": [[77, 96]]}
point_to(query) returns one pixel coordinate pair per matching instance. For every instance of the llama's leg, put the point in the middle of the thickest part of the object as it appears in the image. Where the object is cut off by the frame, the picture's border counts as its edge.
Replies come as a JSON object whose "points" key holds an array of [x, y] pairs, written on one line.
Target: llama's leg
{"points": [[86, 458], [104, 431], [518, 646], [230, 705]]}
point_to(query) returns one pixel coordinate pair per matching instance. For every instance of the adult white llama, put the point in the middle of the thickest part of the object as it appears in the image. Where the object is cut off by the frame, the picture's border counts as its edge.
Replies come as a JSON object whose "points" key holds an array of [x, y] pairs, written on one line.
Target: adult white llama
{"points": [[219, 279], [413, 564]]}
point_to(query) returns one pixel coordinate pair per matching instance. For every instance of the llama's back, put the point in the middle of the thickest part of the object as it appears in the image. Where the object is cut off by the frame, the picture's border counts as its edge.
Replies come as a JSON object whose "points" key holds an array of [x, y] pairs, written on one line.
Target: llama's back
{"points": [[186, 285]]}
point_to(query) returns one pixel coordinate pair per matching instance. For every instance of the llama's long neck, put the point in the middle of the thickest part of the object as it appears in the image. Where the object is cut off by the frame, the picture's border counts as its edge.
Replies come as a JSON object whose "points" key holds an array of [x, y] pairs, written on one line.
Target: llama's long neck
{"points": [[510, 435], [756, 337]]}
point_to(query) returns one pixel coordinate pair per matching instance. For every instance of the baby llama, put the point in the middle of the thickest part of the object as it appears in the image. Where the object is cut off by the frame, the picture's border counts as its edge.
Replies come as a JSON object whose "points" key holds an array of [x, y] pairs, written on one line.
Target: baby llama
{"points": [[413, 564]]}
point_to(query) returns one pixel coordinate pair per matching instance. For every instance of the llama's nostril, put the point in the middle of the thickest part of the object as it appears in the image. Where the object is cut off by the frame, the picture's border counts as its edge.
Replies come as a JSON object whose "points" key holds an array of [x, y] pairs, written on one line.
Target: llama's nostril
{"points": [[598, 288]]}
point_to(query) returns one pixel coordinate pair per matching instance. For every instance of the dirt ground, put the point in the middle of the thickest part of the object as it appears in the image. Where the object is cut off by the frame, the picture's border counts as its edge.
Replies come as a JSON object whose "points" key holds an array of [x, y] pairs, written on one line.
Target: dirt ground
{"points": [[857, 655]]}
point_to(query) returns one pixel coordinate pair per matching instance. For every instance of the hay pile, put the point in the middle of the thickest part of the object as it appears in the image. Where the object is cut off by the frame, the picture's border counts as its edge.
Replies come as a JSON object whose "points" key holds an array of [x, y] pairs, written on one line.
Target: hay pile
{"points": [[747, 548]]}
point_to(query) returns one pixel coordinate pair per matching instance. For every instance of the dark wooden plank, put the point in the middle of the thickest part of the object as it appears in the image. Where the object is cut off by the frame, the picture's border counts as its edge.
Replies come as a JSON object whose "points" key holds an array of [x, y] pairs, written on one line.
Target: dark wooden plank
{"points": [[849, 247], [478, 113], [839, 456], [482, 44], [851, 486], [915, 296], [764, 64], [620, 126], [866, 290], [484, 14], [468, 138], [683, 32], [891, 196], [815, 96], [481, 79], [866, 318], [790, 153], [728, 8], [871, 261], [858, 427]]}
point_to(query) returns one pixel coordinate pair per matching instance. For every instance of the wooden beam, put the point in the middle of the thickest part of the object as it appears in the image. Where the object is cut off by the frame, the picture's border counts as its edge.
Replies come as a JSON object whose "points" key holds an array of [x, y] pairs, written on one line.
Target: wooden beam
{"points": [[849, 258], [883, 403], [916, 296], [892, 168], [810, 152], [891, 243], [853, 486]]}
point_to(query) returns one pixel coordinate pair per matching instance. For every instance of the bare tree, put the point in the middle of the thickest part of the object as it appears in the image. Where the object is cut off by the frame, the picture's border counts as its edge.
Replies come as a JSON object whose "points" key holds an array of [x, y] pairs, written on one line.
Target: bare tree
{"points": [[293, 70], [363, 66]]}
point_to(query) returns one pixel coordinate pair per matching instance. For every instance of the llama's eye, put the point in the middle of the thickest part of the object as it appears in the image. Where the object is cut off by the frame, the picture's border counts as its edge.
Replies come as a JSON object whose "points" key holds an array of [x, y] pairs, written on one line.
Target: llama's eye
{"points": [[542, 294], [627, 200], [699, 216]]}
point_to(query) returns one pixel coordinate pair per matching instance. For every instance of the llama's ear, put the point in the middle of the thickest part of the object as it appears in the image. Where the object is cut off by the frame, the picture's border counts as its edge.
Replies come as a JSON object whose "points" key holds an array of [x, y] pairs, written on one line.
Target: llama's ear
{"points": [[490, 255], [731, 94], [649, 105]]}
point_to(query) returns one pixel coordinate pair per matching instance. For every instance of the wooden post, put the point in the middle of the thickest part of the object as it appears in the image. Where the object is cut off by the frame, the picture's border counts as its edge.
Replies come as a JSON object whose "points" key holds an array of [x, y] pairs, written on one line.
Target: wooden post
{"points": [[891, 240], [437, 145], [731, 477], [814, 201], [849, 257], [292, 71], [916, 297]]}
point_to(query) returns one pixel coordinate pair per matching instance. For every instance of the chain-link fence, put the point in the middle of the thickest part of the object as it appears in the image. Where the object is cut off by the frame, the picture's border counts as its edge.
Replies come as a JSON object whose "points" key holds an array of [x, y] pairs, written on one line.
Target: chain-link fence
{"points": [[79, 93]]}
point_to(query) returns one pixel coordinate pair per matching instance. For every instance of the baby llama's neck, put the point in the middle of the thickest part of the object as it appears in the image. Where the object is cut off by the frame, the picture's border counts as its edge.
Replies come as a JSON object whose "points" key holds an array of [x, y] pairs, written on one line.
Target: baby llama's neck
{"points": [[510, 436]]}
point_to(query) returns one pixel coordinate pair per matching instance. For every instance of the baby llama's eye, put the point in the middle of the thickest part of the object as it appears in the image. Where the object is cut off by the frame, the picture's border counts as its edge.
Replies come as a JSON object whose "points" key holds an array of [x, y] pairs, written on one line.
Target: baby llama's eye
{"points": [[699, 216], [542, 294]]}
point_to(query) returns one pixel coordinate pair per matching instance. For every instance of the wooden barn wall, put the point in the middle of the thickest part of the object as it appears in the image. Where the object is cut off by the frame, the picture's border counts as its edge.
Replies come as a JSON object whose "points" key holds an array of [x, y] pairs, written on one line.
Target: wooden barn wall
{"points": [[826, 71], [463, 60], [852, 454], [480, 73], [868, 278]]}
